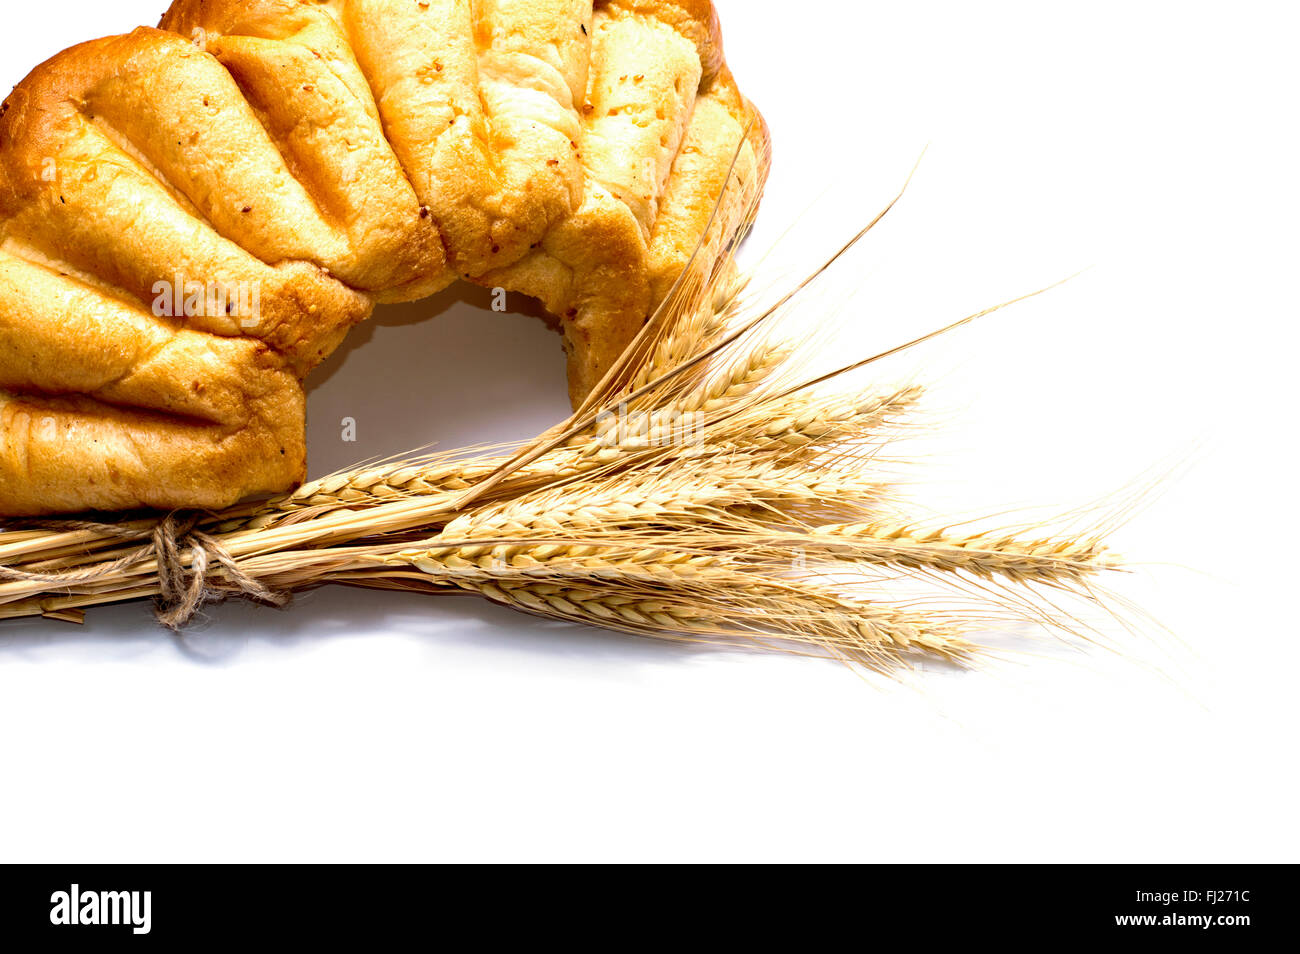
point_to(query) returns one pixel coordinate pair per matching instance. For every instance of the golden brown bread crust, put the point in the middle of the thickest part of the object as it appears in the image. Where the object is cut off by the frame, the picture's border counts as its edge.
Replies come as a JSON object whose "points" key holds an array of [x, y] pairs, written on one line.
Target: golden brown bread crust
{"points": [[134, 189], [106, 406], [294, 66], [328, 155], [662, 123], [113, 399]]}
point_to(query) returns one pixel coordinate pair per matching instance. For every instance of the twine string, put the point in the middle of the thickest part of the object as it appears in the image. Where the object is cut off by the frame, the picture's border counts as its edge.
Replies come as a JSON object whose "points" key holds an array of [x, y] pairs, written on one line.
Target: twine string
{"points": [[183, 589]]}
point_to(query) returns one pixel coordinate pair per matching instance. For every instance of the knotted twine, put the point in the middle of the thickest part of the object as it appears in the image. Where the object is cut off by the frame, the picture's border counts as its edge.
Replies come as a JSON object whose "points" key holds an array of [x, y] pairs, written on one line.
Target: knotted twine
{"points": [[183, 588]]}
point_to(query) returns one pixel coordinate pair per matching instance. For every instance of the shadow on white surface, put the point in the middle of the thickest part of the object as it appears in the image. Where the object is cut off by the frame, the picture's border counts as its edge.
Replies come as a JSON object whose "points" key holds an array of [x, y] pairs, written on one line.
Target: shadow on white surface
{"points": [[445, 370], [235, 633]]}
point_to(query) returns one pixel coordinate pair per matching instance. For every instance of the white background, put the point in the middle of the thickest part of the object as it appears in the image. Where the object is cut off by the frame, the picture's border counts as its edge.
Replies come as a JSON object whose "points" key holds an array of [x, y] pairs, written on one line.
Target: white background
{"points": [[1155, 142]]}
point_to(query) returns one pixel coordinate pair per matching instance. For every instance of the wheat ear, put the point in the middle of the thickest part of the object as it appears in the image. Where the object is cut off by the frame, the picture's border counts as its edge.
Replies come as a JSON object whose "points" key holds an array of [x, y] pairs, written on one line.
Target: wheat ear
{"points": [[985, 555]]}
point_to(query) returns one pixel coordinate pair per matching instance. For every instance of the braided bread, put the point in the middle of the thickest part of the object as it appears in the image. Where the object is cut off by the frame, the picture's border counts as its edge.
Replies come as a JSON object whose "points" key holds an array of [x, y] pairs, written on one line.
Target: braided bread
{"points": [[192, 217]]}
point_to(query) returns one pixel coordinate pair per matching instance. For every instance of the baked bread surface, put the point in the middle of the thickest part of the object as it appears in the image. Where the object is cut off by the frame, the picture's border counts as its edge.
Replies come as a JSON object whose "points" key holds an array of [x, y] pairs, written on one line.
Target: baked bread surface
{"points": [[192, 217]]}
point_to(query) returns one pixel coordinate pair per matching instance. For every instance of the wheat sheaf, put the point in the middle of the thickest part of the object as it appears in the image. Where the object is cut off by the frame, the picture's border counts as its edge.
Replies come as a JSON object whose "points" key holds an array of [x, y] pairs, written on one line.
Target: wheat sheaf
{"points": [[711, 489]]}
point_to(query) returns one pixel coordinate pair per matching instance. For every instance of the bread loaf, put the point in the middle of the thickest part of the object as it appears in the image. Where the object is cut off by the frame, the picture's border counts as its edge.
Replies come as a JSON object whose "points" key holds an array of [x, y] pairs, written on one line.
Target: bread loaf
{"points": [[192, 217]]}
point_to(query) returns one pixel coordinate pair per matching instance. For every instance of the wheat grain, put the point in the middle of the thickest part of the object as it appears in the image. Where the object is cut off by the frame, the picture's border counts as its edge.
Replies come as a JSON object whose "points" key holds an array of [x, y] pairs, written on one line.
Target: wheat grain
{"points": [[986, 555]]}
